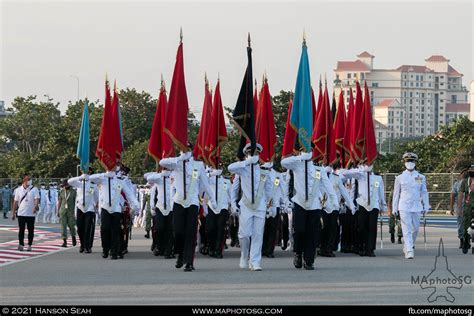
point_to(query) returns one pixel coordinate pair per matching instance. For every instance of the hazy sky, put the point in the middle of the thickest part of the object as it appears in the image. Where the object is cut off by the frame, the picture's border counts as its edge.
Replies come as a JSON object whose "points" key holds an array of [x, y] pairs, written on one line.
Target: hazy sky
{"points": [[43, 43]]}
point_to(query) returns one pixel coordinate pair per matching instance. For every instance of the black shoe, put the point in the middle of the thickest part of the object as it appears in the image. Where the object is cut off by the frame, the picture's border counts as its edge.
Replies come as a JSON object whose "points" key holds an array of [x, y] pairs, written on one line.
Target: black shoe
{"points": [[461, 242], [465, 246], [74, 241], [212, 254], [147, 234], [331, 254], [308, 266], [219, 255], [5, 216], [120, 256], [156, 252], [88, 250], [188, 268], [124, 252], [81, 250], [392, 238], [399, 240], [298, 261], [153, 246], [362, 253], [168, 256], [113, 257], [271, 255], [232, 243], [179, 262], [64, 245], [225, 246], [105, 254], [284, 245], [371, 254]]}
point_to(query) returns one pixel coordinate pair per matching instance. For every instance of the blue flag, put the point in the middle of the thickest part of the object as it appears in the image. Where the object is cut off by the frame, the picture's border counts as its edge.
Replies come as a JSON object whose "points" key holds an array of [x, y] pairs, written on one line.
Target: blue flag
{"points": [[301, 118], [83, 144]]}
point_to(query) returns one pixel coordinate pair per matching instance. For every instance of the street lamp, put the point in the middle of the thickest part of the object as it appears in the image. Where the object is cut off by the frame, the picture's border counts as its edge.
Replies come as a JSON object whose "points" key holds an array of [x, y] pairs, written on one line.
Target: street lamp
{"points": [[77, 78]]}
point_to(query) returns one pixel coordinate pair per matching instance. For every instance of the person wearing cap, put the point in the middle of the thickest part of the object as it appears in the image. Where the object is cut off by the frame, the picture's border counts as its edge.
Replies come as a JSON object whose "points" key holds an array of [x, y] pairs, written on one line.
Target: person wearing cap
{"points": [[53, 202], [190, 181], [278, 199], [454, 206], [331, 214], [466, 201], [6, 194], [44, 202], [66, 204], [307, 206], [235, 196], [252, 207], [371, 202], [410, 199], [217, 217], [162, 212], [122, 174], [87, 197], [111, 210]]}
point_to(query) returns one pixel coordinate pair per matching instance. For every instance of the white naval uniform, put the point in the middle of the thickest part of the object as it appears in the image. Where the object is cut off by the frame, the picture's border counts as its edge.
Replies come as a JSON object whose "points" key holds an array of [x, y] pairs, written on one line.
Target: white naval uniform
{"points": [[410, 198], [341, 192], [162, 184], [377, 191], [252, 216], [117, 186], [223, 191], [43, 206], [278, 194], [91, 193]]}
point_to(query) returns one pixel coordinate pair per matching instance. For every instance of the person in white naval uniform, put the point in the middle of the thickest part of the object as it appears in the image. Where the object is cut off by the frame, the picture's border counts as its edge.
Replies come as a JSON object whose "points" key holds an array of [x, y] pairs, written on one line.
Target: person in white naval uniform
{"points": [[307, 206], [252, 210], [53, 205], [235, 196], [217, 217], [410, 199], [331, 214], [278, 199], [86, 202], [44, 203], [190, 181], [162, 212], [371, 201], [111, 210]]}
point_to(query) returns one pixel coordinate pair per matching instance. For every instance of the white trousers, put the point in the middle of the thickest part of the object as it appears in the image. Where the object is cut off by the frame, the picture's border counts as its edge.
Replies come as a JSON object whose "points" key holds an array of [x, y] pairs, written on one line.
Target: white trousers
{"points": [[43, 208], [410, 226], [251, 224]]}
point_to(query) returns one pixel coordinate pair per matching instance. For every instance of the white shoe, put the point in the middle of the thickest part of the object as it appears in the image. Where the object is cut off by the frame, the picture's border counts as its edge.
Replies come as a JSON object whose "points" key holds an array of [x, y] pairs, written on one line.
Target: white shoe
{"points": [[20, 248], [409, 255], [29, 248], [243, 262], [256, 268]]}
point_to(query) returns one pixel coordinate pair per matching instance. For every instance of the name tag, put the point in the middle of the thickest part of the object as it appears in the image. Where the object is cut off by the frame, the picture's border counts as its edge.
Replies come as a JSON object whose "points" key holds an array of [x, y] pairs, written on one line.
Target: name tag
{"points": [[262, 177], [376, 184], [277, 182], [195, 174], [418, 180], [317, 175]]}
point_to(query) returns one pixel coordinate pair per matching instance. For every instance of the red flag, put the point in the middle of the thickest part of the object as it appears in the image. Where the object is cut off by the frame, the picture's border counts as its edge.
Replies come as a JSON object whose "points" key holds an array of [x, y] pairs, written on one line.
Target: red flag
{"points": [[322, 132], [116, 123], [339, 124], [105, 151], [160, 145], [176, 123], [347, 132], [265, 127], [290, 135], [217, 132], [356, 145], [315, 110], [199, 147], [366, 136]]}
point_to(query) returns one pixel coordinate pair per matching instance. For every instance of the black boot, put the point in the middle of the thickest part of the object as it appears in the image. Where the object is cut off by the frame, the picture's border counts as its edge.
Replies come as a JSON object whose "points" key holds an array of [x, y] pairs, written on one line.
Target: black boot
{"points": [[461, 242], [308, 266], [64, 243], [74, 241], [400, 240], [5, 215], [188, 268], [392, 238], [105, 254], [465, 246], [81, 249], [179, 261], [147, 234], [298, 261]]}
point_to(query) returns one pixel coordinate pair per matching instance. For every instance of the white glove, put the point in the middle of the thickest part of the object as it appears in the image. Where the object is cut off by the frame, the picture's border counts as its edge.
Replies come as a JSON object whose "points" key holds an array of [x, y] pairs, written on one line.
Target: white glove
{"points": [[110, 174], [395, 212], [306, 156], [185, 156], [470, 231], [234, 209], [84, 176]]}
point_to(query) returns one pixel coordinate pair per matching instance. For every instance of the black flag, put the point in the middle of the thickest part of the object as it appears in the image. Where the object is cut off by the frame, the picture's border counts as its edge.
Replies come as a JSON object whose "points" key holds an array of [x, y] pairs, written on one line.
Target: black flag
{"points": [[243, 115], [333, 107]]}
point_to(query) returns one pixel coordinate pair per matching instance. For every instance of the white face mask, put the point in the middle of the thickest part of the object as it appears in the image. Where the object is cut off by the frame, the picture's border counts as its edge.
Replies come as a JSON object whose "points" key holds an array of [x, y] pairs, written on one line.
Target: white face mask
{"points": [[409, 165], [30, 182]]}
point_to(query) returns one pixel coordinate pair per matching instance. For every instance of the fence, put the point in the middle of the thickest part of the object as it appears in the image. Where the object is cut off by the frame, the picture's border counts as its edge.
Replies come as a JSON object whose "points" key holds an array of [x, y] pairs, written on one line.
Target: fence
{"points": [[439, 186]]}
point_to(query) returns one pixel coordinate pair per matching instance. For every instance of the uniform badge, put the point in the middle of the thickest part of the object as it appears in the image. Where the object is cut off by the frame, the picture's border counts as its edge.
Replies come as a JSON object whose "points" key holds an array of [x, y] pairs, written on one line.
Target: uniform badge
{"points": [[376, 184], [262, 177], [418, 179], [225, 186], [277, 182], [317, 175], [195, 174]]}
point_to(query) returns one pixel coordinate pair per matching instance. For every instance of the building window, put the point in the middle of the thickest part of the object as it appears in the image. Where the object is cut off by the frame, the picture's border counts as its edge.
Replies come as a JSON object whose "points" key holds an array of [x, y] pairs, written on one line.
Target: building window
{"points": [[348, 76], [411, 84]]}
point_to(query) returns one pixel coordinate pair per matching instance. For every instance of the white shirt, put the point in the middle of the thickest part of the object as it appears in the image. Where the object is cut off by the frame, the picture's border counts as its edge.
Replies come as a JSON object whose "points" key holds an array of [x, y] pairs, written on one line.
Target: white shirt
{"points": [[341, 192], [117, 186], [410, 193], [44, 198], [162, 185], [91, 193], [53, 195], [297, 164], [194, 169], [243, 169], [278, 195], [377, 191], [223, 191], [27, 206]]}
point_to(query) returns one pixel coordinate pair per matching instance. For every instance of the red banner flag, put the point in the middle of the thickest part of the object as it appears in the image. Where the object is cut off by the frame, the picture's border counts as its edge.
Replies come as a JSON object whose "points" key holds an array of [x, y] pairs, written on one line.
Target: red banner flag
{"points": [[339, 124], [356, 145], [176, 124], [265, 127], [322, 132], [217, 132], [348, 130], [290, 135], [160, 145], [105, 151], [366, 136], [199, 147], [117, 129]]}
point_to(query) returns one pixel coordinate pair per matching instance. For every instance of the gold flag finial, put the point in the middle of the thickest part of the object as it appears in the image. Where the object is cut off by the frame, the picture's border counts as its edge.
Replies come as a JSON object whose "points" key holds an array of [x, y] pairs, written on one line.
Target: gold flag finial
{"points": [[205, 79], [325, 79], [180, 35], [162, 83], [248, 40], [218, 76]]}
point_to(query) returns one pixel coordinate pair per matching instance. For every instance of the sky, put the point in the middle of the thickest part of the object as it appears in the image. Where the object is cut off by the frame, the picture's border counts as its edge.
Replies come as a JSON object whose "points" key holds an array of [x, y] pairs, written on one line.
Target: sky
{"points": [[48, 47]]}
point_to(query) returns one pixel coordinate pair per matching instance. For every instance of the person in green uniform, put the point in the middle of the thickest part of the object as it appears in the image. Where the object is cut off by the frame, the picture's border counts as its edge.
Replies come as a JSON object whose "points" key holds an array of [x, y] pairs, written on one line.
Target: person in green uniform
{"points": [[392, 222], [466, 194], [67, 202]]}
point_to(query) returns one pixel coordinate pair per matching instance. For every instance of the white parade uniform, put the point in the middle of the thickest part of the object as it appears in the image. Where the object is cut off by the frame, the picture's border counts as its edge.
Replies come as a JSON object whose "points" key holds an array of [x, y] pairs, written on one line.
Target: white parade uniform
{"points": [[91, 193], [410, 198], [252, 215], [278, 194], [44, 204], [341, 193], [223, 191], [162, 185]]}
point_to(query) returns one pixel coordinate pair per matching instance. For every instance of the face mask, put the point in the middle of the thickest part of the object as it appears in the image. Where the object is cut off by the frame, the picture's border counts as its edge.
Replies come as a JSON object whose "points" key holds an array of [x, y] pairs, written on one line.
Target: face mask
{"points": [[42, 187], [30, 182], [409, 165]]}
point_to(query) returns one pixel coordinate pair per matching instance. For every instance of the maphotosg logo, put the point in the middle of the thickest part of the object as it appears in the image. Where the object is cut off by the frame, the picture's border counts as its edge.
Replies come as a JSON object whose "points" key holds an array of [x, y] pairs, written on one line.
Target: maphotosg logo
{"points": [[441, 280]]}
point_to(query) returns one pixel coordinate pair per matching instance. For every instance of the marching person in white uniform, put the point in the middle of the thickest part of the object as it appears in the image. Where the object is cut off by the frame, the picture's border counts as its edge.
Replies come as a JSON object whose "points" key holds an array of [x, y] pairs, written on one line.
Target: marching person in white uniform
{"points": [[252, 211], [410, 199], [44, 203]]}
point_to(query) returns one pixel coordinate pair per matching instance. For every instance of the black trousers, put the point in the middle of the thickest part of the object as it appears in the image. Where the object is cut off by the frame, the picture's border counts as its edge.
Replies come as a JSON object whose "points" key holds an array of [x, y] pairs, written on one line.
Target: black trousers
{"points": [[85, 227], [164, 232], [329, 231], [185, 229], [349, 236], [125, 229], [307, 225], [270, 234], [203, 231], [284, 229], [29, 221], [234, 229], [110, 231], [367, 224], [216, 230]]}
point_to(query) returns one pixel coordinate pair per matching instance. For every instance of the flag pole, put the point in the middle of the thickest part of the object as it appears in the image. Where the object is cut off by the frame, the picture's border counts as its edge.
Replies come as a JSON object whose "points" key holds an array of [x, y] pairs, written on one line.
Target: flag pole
{"points": [[251, 166], [306, 161], [184, 162]]}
